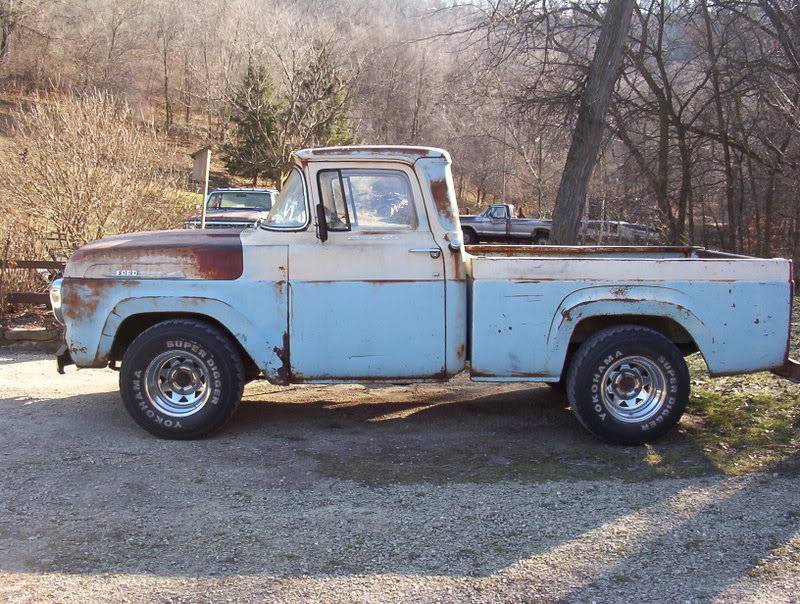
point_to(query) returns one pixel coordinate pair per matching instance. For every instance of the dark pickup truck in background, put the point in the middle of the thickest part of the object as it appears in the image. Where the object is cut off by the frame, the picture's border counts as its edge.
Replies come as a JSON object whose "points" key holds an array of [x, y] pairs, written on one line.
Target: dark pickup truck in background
{"points": [[497, 223]]}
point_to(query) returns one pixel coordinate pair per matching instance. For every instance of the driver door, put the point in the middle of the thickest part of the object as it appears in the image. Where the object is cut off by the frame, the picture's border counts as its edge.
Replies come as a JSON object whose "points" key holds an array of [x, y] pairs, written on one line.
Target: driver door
{"points": [[369, 302], [500, 222]]}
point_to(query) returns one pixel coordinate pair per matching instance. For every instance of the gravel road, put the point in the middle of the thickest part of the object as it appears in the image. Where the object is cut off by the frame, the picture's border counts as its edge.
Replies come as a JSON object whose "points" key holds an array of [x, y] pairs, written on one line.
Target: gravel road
{"points": [[464, 492]]}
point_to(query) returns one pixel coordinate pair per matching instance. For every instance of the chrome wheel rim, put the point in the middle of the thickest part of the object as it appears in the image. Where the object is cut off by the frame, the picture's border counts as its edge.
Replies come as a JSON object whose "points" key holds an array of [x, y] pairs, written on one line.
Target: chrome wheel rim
{"points": [[634, 389], [178, 383]]}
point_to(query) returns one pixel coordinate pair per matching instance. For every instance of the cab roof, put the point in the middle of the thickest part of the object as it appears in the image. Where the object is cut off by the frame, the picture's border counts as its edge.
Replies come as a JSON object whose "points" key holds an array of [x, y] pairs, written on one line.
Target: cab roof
{"points": [[373, 152]]}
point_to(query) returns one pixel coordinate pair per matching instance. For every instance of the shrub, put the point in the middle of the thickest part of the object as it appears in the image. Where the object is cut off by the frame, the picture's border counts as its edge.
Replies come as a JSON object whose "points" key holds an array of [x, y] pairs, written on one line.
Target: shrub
{"points": [[81, 167]]}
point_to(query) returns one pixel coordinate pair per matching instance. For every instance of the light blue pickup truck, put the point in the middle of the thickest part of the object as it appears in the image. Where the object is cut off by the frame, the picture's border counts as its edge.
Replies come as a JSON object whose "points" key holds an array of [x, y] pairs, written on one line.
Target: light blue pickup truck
{"points": [[359, 274]]}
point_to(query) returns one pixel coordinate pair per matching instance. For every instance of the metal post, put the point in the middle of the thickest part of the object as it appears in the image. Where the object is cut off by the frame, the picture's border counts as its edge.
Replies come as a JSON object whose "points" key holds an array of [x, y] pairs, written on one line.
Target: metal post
{"points": [[205, 190], [503, 194]]}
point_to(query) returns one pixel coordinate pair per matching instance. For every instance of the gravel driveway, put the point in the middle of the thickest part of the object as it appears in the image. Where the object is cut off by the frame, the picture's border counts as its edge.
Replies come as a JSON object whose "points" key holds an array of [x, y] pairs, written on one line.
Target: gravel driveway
{"points": [[462, 492]]}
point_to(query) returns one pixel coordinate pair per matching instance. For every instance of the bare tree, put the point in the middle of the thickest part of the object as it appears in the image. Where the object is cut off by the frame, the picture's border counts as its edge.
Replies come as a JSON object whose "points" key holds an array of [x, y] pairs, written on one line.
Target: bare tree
{"points": [[588, 132]]}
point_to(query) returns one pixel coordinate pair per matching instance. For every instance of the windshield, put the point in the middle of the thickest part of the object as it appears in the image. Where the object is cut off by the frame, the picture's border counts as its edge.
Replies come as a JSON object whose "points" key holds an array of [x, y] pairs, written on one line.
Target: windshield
{"points": [[289, 211], [257, 200]]}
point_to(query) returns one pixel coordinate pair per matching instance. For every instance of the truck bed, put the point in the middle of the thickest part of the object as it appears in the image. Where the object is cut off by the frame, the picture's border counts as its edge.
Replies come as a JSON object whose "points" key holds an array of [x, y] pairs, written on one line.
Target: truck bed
{"points": [[531, 305]]}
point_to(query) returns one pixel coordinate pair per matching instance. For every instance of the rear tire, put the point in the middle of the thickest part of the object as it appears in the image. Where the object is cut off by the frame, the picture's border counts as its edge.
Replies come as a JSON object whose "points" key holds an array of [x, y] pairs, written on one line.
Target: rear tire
{"points": [[540, 238], [181, 379], [470, 237], [628, 384]]}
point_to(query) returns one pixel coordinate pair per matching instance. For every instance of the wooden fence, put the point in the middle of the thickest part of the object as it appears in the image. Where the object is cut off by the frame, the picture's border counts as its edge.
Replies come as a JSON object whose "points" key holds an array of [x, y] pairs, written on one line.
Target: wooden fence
{"points": [[26, 298]]}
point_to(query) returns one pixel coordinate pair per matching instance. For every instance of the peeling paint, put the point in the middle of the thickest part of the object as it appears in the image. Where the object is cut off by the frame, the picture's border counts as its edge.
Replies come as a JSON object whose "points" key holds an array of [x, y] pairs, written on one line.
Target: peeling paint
{"points": [[184, 254], [284, 372]]}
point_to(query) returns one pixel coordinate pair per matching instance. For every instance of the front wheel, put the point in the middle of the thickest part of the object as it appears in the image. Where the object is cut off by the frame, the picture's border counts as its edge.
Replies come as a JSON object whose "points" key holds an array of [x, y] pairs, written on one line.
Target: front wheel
{"points": [[628, 384], [181, 379]]}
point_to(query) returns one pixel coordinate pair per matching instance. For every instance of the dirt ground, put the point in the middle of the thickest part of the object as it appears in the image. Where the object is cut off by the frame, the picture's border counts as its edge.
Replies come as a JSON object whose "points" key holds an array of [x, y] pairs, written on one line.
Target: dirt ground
{"points": [[462, 492]]}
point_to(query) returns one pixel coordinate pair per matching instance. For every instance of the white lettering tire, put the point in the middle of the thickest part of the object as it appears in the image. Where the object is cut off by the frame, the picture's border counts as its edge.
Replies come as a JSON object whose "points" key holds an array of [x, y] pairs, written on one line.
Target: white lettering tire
{"points": [[628, 384], [181, 379]]}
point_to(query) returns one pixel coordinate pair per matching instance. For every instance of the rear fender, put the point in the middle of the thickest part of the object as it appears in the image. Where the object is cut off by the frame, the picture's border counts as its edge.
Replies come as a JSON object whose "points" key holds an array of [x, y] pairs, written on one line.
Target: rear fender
{"points": [[621, 300]]}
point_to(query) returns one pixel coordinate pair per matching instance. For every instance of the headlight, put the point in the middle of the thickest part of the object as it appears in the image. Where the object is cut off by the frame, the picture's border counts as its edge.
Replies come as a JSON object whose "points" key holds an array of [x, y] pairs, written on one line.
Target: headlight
{"points": [[55, 299]]}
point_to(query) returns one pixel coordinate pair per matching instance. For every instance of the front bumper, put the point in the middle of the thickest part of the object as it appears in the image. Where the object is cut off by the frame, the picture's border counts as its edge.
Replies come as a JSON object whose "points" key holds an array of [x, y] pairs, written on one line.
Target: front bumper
{"points": [[55, 299]]}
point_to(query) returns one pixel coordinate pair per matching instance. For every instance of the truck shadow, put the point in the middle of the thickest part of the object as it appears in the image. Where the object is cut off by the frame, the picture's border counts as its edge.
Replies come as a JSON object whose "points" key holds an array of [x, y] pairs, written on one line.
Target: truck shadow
{"points": [[424, 482], [477, 435]]}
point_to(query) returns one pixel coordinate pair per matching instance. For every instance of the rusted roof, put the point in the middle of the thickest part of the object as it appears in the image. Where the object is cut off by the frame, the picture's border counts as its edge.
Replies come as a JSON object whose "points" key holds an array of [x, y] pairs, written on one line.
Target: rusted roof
{"points": [[373, 152]]}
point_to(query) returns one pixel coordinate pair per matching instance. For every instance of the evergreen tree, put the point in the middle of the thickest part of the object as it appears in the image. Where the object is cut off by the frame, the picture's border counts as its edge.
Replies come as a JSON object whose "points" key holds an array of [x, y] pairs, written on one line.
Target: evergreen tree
{"points": [[322, 100], [249, 151]]}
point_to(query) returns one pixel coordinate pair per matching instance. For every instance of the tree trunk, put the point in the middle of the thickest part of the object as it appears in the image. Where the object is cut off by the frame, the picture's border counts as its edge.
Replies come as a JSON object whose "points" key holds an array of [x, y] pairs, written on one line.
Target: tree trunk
{"points": [[167, 101], [588, 133], [722, 126], [6, 33]]}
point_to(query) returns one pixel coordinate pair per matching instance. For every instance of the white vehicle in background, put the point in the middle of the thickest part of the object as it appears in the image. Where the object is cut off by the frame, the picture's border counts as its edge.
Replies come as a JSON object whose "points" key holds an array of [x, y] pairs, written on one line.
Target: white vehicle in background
{"points": [[616, 231], [234, 208]]}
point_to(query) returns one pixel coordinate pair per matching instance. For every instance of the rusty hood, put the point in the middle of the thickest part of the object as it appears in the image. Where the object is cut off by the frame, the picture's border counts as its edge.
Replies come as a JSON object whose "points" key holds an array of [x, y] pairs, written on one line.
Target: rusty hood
{"points": [[178, 254]]}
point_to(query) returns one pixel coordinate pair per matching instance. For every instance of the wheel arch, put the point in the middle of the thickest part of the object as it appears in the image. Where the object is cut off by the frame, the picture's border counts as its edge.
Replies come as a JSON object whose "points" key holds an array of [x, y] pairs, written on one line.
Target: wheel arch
{"points": [[659, 308], [260, 349], [471, 229], [133, 325]]}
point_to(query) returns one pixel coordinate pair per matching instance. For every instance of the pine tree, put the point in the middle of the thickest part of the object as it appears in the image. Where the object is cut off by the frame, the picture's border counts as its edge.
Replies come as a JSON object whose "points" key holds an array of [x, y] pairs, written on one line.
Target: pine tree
{"points": [[322, 98], [249, 152]]}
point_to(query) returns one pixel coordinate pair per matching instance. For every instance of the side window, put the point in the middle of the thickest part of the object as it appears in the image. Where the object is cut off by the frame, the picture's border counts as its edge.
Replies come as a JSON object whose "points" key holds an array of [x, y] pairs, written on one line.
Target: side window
{"points": [[499, 212], [367, 199]]}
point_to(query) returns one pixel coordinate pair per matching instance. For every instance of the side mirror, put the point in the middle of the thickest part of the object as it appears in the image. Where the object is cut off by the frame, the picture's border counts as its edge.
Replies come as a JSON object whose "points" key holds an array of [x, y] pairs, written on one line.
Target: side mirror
{"points": [[322, 223]]}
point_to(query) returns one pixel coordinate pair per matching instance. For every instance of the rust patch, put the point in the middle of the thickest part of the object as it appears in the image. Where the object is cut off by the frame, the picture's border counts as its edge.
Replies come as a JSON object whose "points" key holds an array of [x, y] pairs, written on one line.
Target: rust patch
{"points": [[81, 297], [566, 314], [187, 254], [285, 370], [460, 351], [441, 197], [620, 291], [476, 373]]}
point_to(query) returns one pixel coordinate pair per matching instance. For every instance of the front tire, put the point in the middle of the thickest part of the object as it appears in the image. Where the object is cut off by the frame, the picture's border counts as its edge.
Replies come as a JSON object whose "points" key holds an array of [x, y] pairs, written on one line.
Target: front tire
{"points": [[181, 379], [628, 385]]}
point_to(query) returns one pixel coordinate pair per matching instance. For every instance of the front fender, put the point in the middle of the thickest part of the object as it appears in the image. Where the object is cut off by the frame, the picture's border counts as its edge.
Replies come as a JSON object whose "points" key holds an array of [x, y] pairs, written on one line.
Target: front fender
{"points": [[622, 300], [96, 309]]}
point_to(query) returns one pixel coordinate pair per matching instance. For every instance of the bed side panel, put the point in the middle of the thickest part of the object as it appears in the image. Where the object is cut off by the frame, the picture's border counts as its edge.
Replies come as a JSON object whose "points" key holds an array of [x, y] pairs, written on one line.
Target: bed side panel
{"points": [[524, 310]]}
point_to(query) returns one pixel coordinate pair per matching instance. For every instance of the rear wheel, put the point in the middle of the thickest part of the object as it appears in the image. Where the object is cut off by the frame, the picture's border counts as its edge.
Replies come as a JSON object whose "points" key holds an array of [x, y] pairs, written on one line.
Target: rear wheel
{"points": [[540, 238], [181, 379], [628, 384], [470, 237]]}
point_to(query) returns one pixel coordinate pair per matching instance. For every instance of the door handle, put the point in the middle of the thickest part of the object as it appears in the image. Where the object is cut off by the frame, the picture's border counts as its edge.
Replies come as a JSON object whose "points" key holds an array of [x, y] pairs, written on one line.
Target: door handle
{"points": [[435, 252]]}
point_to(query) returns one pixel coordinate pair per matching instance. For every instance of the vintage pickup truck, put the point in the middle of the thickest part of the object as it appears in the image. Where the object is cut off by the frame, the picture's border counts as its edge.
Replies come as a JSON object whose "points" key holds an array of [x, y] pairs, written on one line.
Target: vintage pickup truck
{"points": [[359, 274], [497, 223]]}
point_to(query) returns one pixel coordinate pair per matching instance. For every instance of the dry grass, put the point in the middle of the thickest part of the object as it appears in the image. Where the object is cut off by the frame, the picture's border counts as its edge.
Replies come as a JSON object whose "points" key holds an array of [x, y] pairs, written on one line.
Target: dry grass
{"points": [[77, 168], [747, 422]]}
